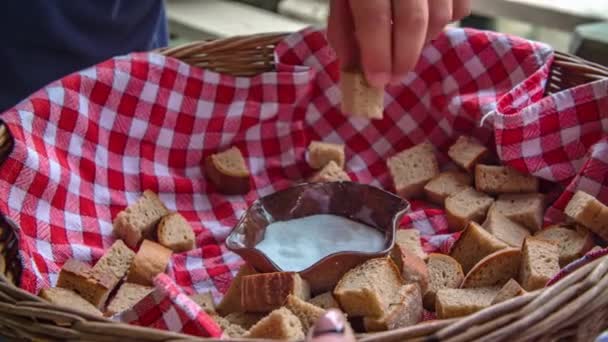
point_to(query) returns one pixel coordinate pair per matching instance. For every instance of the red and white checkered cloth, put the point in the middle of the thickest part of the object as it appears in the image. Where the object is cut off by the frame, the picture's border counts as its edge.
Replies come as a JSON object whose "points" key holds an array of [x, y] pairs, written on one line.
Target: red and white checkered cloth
{"points": [[87, 145]]}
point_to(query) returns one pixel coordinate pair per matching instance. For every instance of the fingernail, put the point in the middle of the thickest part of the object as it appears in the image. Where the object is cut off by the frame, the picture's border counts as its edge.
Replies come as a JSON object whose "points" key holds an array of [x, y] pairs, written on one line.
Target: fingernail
{"points": [[332, 322], [378, 79]]}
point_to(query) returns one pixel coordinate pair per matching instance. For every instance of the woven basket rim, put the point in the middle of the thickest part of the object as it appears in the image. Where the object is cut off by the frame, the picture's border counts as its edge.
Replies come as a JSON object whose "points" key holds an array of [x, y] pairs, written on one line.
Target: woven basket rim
{"points": [[27, 316]]}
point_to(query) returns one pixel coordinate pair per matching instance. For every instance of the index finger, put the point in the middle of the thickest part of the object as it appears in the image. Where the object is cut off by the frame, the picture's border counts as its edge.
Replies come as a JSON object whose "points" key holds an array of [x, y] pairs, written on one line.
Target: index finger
{"points": [[410, 22]]}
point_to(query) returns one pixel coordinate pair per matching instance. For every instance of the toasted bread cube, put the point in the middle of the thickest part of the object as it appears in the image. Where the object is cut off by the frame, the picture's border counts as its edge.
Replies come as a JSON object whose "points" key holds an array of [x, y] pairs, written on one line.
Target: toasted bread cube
{"points": [[150, 260], [466, 152], [367, 289], [231, 302], [229, 329], [321, 153], [280, 324], [503, 179], [68, 299], [495, 269], [405, 310], [589, 212], [445, 185], [410, 238], [205, 301], [95, 287], [268, 291], [127, 296], [413, 269], [330, 173], [359, 98], [540, 262], [510, 290], [473, 245], [175, 233], [325, 301], [244, 319], [572, 244], [466, 206], [139, 220], [307, 313], [525, 209], [228, 171], [462, 302], [508, 231], [444, 272], [117, 260], [411, 169]]}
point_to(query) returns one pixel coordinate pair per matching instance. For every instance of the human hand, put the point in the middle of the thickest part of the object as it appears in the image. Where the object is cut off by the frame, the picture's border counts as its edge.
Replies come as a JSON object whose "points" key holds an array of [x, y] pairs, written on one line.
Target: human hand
{"points": [[331, 327], [385, 37]]}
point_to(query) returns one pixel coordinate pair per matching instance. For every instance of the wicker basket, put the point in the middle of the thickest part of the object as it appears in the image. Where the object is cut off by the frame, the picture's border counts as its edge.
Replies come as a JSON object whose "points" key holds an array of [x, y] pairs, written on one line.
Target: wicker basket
{"points": [[576, 308]]}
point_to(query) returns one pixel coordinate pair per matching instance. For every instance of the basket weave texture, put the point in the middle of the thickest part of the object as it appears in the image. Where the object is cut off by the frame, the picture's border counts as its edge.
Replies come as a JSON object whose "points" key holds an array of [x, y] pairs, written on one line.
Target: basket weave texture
{"points": [[576, 308]]}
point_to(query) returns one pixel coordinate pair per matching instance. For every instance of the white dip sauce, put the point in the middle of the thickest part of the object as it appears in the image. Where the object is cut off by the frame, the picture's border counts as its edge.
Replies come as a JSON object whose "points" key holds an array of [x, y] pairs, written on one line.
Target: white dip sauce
{"points": [[297, 244]]}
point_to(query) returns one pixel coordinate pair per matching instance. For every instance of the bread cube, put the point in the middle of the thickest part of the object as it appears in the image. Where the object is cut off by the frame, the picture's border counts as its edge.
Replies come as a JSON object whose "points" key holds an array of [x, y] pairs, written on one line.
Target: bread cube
{"points": [[127, 296], [540, 262], [510, 290], [139, 220], [321, 153], [228, 171], [412, 268], [445, 185], [268, 291], [589, 212], [307, 313], [358, 97], [205, 301], [405, 310], [410, 239], [280, 324], [510, 232], [68, 299], [466, 206], [473, 245], [495, 269], [325, 301], [175, 233], [231, 302], [330, 173], [525, 209], [116, 260], [503, 179], [95, 287], [466, 152], [411, 169], [150, 260], [462, 302], [572, 244], [444, 272]]}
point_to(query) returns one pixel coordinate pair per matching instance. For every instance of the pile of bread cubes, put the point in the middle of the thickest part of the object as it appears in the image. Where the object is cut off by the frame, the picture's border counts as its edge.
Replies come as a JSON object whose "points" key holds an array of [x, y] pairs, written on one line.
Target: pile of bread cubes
{"points": [[502, 251]]}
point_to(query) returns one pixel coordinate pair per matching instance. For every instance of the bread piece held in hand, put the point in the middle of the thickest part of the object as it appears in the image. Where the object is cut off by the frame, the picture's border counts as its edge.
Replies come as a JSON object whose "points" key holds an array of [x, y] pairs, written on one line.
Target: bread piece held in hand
{"points": [[359, 98], [127, 296], [411, 169], [540, 262], [68, 299], [589, 212], [321, 153], [474, 244], [508, 231], [466, 206], [367, 290], [139, 220], [445, 185], [264, 292], [405, 310], [572, 243], [525, 209], [95, 287], [150, 260], [495, 269], [330, 173], [510, 290], [444, 272], [466, 152], [175, 233], [280, 324], [228, 171], [462, 302], [503, 179]]}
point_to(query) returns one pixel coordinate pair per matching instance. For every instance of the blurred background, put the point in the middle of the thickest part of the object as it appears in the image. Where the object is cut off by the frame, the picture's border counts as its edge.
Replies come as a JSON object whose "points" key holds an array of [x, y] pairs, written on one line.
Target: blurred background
{"points": [[576, 26]]}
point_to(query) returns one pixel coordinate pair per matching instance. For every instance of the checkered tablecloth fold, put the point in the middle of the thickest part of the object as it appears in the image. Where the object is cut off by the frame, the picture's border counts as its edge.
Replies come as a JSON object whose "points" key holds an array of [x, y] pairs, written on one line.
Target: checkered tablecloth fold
{"points": [[87, 145]]}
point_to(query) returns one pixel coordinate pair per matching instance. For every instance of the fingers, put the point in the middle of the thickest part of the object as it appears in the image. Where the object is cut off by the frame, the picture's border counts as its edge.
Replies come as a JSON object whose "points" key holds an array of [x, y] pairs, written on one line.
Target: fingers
{"points": [[372, 20], [440, 14], [331, 327], [460, 9], [410, 21], [340, 30]]}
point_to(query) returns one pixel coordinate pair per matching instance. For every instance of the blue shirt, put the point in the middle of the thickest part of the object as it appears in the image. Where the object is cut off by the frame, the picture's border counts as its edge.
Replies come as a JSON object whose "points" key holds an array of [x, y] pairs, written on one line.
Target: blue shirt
{"points": [[44, 40]]}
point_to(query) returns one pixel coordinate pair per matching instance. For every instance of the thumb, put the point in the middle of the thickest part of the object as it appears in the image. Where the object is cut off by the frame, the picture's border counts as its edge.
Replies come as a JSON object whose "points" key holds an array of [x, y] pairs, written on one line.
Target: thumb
{"points": [[331, 327]]}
